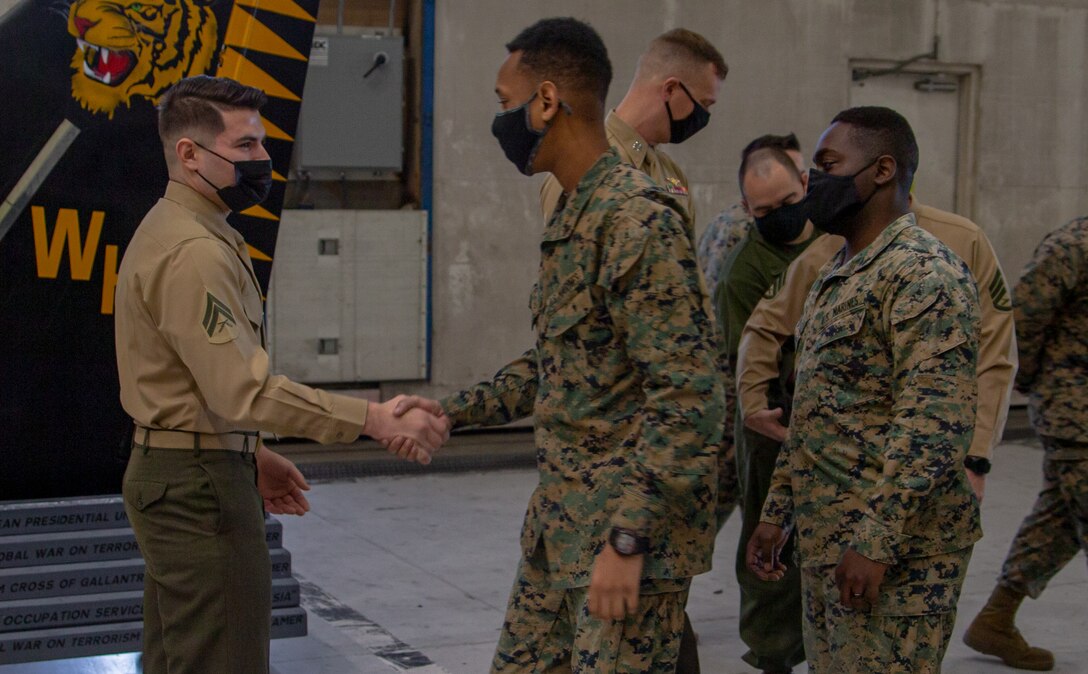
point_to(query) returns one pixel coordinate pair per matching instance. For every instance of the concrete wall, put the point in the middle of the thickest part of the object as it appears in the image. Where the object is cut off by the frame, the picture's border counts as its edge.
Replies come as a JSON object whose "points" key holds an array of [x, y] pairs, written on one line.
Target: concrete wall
{"points": [[788, 71]]}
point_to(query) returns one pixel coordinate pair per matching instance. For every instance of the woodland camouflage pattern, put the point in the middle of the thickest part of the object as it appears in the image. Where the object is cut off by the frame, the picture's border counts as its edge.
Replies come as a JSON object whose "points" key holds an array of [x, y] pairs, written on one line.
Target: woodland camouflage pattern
{"points": [[623, 382], [551, 632], [719, 238], [906, 632], [1050, 305], [884, 406], [1051, 308]]}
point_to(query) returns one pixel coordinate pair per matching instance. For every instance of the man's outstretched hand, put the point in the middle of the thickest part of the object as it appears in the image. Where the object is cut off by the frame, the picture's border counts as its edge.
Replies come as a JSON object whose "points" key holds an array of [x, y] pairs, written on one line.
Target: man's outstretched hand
{"points": [[411, 427]]}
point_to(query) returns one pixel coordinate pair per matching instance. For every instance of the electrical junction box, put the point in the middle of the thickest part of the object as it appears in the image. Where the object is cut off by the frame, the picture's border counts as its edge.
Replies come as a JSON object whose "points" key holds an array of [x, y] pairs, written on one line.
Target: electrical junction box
{"points": [[348, 299], [352, 115]]}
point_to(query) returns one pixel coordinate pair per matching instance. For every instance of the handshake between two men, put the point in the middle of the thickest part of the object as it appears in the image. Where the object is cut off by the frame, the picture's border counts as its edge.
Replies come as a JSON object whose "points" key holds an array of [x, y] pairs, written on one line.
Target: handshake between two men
{"points": [[411, 427]]}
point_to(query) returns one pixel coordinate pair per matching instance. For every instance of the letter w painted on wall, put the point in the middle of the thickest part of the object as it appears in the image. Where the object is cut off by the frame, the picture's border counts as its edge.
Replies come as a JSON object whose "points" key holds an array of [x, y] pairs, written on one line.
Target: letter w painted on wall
{"points": [[80, 255], [48, 251]]}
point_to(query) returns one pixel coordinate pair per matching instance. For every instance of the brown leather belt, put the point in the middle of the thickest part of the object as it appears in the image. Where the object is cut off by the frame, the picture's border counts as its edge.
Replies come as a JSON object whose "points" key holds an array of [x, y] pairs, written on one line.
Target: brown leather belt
{"points": [[245, 442]]}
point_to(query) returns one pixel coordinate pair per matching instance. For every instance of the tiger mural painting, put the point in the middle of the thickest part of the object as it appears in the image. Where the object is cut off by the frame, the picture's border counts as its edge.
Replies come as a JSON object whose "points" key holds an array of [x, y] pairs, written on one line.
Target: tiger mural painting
{"points": [[131, 49]]}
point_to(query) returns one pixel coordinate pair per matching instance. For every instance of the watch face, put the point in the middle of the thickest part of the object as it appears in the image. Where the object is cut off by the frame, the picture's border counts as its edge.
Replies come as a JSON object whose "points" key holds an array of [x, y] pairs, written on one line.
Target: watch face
{"points": [[624, 543]]}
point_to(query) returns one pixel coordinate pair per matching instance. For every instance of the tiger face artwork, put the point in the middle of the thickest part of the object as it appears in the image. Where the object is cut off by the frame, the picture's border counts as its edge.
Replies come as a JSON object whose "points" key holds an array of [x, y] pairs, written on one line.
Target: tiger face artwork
{"points": [[132, 49]]}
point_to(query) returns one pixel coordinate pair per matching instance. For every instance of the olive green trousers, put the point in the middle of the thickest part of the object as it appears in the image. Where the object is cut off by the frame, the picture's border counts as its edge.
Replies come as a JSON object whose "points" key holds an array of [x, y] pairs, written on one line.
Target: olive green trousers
{"points": [[199, 522]]}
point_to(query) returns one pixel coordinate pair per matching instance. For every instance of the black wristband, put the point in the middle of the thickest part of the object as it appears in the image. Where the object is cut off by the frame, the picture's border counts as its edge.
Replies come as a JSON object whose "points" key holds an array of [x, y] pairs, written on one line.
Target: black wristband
{"points": [[977, 464]]}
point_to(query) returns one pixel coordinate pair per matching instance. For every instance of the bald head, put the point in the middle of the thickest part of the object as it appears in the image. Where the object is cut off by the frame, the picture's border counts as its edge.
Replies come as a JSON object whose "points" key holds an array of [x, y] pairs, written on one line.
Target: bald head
{"points": [[768, 180]]}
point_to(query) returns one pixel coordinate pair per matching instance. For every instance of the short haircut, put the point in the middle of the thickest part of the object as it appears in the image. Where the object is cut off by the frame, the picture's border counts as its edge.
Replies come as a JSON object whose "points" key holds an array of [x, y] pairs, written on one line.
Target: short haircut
{"points": [[566, 51], [761, 160], [784, 143], [686, 47], [196, 104], [883, 131]]}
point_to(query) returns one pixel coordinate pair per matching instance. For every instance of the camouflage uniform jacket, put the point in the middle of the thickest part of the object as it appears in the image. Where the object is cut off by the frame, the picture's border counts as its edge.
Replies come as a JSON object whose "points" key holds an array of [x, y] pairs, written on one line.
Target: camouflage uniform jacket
{"points": [[1051, 311], [622, 383], [719, 239], [884, 407]]}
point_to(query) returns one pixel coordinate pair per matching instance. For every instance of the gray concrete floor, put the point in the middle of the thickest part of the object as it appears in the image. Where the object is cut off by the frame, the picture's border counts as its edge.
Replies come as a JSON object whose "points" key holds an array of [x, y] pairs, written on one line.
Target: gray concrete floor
{"points": [[411, 573]]}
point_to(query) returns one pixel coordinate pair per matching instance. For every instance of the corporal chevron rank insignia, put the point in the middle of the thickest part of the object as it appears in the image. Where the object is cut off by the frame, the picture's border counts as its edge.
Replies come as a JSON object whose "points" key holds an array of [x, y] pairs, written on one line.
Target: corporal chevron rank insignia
{"points": [[218, 320], [999, 292]]}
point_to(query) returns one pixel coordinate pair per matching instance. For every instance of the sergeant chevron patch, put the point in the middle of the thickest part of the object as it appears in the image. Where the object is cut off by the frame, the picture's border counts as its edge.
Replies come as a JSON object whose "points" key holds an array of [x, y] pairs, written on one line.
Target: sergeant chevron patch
{"points": [[999, 292]]}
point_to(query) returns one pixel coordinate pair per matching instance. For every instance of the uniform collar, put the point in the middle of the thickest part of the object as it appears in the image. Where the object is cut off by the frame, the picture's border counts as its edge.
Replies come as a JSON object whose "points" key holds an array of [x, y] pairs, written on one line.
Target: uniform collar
{"points": [[867, 255], [204, 211], [566, 213], [632, 146]]}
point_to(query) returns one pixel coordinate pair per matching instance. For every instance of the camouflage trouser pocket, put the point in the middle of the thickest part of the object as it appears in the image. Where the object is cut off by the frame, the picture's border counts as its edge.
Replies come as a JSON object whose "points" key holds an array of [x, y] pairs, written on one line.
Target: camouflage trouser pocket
{"points": [[907, 632], [923, 586]]}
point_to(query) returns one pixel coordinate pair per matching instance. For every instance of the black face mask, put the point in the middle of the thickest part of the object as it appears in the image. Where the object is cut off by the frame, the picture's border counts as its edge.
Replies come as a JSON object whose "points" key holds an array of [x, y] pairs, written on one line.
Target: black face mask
{"points": [[832, 202], [252, 182], [518, 139], [783, 224], [682, 129]]}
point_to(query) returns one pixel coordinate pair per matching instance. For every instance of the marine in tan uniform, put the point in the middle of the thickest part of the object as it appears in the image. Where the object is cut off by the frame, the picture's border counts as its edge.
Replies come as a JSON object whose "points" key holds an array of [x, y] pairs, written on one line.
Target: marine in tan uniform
{"points": [[871, 475], [1051, 306], [622, 384], [774, 321], [194, 377], [677, 81]]}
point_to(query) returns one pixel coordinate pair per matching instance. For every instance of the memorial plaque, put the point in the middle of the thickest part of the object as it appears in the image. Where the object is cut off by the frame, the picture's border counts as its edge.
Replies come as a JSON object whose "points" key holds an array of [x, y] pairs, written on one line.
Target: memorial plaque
{"points": [[87, 546], [81, 642], [76, 642], [94, 577], [97, 609], [288, 622], [69, 514]]}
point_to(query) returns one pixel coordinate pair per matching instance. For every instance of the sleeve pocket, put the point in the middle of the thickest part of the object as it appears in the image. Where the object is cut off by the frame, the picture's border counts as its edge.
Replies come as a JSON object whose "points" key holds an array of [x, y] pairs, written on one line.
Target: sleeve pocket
{"points": [[142, 493], [569, 313]]}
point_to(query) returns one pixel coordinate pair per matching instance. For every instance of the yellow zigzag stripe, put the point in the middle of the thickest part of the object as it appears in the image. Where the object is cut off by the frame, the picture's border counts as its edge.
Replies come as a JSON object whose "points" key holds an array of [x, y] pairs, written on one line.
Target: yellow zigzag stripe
{"points": [[285, 7], [237, 67], [257, 255], [246, 32], [258, 212], [274, 131]]}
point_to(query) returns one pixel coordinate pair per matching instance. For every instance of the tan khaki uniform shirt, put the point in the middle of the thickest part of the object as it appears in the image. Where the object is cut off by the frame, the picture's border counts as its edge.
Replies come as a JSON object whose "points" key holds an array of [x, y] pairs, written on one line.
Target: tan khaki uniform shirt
{"points": [[775, 320], [634, 150], [190, 334]]}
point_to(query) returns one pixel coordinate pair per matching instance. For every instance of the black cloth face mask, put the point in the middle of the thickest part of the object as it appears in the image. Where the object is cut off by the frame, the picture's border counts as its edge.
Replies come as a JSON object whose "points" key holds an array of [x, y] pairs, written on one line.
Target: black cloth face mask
{"points": [[682, 129], [252, 182], [783, 224], [518, 139], [833, 201]]}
